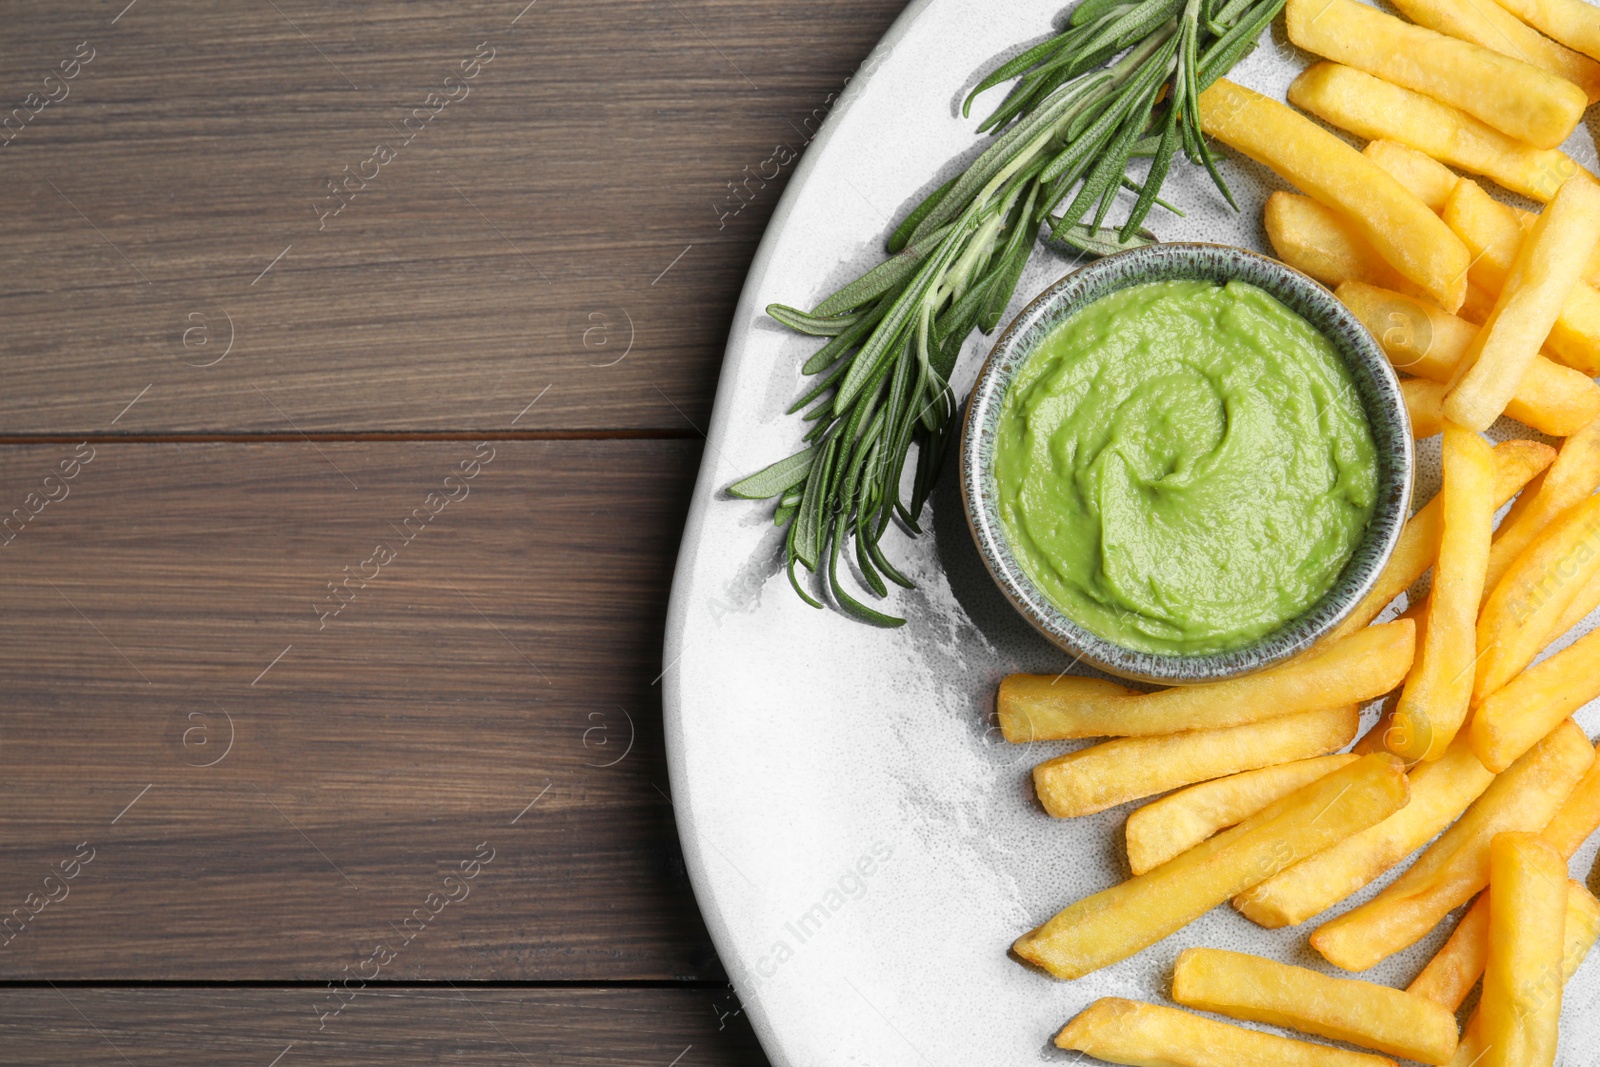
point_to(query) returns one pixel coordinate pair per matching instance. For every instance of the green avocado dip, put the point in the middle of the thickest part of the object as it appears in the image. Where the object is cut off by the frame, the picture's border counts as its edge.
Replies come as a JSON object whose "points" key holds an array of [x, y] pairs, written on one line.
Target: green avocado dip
{"points": [[1183, 467]]}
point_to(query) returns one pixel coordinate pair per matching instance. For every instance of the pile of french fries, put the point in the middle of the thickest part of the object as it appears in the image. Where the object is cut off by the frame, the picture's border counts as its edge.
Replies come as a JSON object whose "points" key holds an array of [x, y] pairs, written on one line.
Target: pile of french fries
{"points": [[1491, 312]]}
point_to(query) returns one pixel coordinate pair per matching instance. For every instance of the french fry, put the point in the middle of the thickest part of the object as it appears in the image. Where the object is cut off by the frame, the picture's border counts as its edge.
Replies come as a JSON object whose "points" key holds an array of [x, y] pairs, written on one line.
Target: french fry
{"points": [[1515, 462], [1519, 617], [1424, 406], [1115, 923], [1429, 342], [1456, 866], [1522, 100], [1587, 600], [1493, 235], [1115, 772], [1573, 476], [1320, 242], [1372, 108], [1453, 971], [1368, 663], [1591, 271], [1492, 26], [1174, 824], [1571, 22], [1546, 270], [1440, 792], [1513, 719], [1450, 975], [1249, 987], [1405, 233], [1581, 930], [1520, 1011], [1150, 1035], [1434, 702], [1429, 180]]}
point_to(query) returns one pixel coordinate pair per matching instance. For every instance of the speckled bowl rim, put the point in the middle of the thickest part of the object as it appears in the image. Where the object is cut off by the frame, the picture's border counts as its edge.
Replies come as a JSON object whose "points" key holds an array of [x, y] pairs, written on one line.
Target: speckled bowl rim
{"points": [[1375, 382]]}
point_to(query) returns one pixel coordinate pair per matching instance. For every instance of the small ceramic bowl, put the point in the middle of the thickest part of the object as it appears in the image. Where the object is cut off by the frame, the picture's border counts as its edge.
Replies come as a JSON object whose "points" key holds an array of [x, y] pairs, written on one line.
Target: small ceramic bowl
{"points": [[1381, 399]]}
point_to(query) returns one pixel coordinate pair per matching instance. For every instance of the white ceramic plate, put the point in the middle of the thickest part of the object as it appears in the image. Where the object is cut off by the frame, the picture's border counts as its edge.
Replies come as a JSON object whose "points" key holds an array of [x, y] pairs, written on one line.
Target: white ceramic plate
{"points": [[862, 844]]}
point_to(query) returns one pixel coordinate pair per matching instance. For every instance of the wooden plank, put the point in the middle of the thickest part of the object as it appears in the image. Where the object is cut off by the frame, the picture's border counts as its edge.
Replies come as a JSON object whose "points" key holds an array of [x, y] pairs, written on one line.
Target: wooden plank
{"points": [[481, 684], [189, 1027], [579, 218]]}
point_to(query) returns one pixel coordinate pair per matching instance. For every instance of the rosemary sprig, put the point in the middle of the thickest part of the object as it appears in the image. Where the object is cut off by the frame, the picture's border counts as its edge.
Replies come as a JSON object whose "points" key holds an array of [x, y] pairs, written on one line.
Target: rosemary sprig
{"points": [[1121, 80]]}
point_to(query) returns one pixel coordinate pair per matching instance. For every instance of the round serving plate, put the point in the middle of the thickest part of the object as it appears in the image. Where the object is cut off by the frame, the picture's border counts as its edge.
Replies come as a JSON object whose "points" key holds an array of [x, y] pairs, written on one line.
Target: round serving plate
{"points": [[862, 843]]}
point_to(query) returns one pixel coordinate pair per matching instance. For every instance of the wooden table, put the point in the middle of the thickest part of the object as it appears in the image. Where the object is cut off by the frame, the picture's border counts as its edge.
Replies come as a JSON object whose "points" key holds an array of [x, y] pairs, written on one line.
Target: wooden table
{"points": [[356, 359]]}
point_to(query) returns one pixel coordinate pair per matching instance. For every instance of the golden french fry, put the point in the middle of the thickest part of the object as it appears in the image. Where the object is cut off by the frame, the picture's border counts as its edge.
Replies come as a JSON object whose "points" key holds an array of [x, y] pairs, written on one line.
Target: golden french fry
{"points": [[1587, 600], [1115, 923], [1513, 719], [1519, 617], [1525, 102], [1345, 1009], [1149, 1035], [1522, 979], [1515, 462], [1440, 791], [1452, 972], [1322, 243], [1129, 768], [1573, 476], [1591, 270], [1434, 702], [1547, 269], [1429, 342], [1372, 108], [1582, 927], [1405, 233], [1456, 866], [1368, 663], [1429, 180], [1450, 975], [1492, 26], [1494, 236], [1571, 22], [1424, 406], [1164, 828]]}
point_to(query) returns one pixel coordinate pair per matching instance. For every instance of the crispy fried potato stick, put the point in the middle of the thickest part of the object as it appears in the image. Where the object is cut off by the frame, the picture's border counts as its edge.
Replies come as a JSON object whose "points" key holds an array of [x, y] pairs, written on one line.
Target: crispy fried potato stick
{"points": [[1322, 243], [1115, 923], [1571, 22], [1513, 719], [1345, 1009], [1426, 341], [1591, 271], [1424, 406], [1487, 23], [1515, 462], [1581, 930], [1456, 866], [1372, 108], [1115, 772], [1520, 1011], [1429, 180], [1440, 792], [1434, 703], [1450, 975], [1368, 663], [1516, 98], [1149, 1035], [1174, 824], [1406, 234], [1573, 476], [1519, 617], [1494, 236], [1547, 269]]}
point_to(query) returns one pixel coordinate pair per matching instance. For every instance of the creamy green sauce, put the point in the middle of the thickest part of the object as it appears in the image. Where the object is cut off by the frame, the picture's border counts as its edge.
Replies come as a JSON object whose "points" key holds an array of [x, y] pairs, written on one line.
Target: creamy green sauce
{"points": [[1183, 467]]}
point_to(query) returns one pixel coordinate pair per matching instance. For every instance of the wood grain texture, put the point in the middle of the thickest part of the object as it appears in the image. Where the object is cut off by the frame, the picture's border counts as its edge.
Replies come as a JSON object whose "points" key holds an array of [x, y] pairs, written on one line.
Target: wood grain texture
{"points": [[519, 238], [390, 1025], [177, 597]]}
